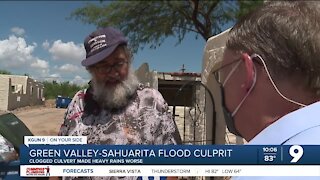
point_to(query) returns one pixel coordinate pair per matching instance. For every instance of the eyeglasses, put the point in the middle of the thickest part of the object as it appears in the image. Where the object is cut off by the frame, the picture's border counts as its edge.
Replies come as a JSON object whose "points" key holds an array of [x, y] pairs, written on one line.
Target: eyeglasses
{"points": [[217, 71], [108, 68]]}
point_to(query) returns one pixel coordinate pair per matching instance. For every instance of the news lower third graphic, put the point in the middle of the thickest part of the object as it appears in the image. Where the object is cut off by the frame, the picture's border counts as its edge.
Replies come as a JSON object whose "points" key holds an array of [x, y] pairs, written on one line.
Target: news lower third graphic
{"points": [[71, 156]]}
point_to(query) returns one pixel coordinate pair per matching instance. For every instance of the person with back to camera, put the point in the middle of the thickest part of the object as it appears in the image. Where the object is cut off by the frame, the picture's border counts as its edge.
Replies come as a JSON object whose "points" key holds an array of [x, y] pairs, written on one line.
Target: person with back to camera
{"points": [[270, 76]]}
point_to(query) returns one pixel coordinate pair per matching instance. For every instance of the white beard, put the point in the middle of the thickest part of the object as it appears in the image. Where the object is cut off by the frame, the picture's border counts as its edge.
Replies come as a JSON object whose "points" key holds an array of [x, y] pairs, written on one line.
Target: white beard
{"points": [[116, 96]]}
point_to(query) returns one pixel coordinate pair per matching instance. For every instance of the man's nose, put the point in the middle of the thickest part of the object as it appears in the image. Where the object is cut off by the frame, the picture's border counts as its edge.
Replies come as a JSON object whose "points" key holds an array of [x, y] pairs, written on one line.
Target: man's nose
{"points": [[113, 73]]}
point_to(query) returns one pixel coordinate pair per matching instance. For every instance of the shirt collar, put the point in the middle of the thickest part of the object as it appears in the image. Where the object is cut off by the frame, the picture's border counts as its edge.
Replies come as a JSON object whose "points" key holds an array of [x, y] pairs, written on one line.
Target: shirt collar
{"points": [[289, 125]]}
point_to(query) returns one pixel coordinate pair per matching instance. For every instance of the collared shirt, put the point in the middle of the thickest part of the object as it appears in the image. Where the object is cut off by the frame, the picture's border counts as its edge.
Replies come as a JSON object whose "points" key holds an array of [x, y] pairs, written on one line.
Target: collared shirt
{"points": [[301, 127], [145, 120]]}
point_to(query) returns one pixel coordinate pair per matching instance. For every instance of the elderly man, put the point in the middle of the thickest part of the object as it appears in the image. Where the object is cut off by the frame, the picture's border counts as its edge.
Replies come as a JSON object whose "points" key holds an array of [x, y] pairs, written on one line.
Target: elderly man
{"points": [[116, 109], [270, 75]]}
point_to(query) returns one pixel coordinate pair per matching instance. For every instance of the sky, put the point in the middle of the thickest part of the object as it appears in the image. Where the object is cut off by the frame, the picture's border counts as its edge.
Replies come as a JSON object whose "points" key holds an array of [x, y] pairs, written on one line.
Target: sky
{"points": [[38, 39]]}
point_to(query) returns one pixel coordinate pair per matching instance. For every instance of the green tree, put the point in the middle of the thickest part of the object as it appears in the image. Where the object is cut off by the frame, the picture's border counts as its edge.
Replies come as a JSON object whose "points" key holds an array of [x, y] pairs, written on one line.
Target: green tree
{"points": [[5, 72], [65, 89], [150, 22]]}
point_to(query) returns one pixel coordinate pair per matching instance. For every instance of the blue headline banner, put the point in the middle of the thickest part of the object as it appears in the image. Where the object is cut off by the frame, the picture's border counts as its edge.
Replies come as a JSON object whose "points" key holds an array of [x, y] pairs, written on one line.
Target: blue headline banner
{"points": [[169, 154]]}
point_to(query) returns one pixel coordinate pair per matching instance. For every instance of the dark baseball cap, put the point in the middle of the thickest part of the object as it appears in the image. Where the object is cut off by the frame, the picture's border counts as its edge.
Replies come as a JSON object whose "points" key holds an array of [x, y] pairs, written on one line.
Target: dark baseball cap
{"points": [[101, 43]]}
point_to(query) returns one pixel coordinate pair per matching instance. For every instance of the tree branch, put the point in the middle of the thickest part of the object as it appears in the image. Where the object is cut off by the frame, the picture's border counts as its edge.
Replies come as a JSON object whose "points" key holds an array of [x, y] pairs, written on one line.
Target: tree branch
{"points": [[207, 16], [186, 28], [214, 4], [198, 25]]}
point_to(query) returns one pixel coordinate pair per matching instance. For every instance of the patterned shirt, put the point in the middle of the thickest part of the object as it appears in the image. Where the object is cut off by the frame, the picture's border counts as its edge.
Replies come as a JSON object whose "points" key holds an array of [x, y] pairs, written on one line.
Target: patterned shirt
{"points": [[6, 149], [145, 120]]}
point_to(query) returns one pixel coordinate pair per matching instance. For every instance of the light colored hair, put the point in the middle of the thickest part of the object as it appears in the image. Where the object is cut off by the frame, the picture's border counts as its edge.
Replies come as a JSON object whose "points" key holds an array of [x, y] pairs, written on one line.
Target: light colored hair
{"points": [[286, 34], [117, 96]]}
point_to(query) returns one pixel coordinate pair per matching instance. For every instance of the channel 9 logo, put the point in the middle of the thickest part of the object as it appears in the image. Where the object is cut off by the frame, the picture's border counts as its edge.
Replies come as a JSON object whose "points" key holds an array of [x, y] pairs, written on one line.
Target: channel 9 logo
{"points": [[296, 152]]}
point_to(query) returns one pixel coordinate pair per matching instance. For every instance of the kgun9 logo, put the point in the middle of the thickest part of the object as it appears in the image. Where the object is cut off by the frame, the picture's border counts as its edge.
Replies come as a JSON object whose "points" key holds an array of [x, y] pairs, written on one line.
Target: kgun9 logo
{"points": [[296, 152]]}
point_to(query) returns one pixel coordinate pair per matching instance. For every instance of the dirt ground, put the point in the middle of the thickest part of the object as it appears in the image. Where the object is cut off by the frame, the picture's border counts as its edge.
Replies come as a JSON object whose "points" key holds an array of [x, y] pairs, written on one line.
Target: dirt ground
{"points": [[41, 120]]}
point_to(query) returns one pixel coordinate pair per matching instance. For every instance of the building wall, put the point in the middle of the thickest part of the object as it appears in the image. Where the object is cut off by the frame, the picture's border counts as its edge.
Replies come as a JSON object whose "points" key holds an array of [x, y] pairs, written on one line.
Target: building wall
{"points": [[213, 54], [186, 112], [4, 91], [147, 77], [15, 80], [20, 91]]}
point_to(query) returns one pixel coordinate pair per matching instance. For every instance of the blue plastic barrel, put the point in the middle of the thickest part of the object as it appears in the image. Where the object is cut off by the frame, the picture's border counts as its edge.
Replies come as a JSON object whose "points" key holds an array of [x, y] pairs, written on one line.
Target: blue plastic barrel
{"points": [[62, 102]]}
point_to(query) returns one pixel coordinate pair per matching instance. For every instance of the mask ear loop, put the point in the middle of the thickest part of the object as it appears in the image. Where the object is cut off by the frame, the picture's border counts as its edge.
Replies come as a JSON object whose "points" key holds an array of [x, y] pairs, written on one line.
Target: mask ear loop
{"points": [[272, 82], [249, 69], [230, 73], [254, 79]]}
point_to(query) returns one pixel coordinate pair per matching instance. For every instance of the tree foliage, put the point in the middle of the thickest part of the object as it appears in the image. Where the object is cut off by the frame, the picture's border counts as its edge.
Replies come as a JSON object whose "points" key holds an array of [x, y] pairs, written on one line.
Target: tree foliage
{"points": [[9, 73], [150, 22], [65, 89], [5, 72]]}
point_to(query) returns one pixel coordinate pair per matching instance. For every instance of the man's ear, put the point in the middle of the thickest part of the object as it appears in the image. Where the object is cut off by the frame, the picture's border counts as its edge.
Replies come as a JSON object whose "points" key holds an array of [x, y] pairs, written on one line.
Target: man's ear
{"points": [[249, 70]]}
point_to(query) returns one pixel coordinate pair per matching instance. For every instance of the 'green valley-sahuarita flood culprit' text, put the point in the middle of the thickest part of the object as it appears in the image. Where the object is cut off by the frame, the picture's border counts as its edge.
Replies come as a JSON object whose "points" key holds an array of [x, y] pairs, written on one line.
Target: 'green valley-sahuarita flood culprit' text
{"points": [[130, 153]]}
